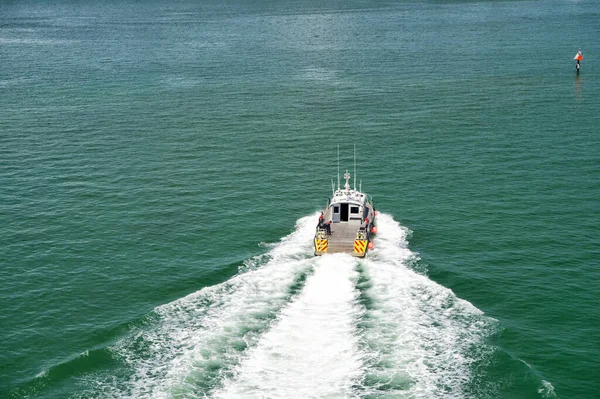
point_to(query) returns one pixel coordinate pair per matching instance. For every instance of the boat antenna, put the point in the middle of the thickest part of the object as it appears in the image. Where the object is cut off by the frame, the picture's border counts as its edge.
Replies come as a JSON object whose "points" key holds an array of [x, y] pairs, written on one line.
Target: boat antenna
{"points": [[360, 186], [332, 188], [338, 166], [354, 166]]}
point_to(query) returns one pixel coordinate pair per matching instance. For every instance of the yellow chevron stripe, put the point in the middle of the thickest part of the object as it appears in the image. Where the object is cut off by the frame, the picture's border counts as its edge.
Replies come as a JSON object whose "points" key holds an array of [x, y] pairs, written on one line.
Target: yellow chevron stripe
{"points": [[360, 246], [321, 245]]}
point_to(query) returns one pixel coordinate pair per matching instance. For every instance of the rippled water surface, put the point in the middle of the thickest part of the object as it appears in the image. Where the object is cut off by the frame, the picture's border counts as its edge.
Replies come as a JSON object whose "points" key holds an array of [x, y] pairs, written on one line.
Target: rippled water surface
{"points": [[162, 165]]}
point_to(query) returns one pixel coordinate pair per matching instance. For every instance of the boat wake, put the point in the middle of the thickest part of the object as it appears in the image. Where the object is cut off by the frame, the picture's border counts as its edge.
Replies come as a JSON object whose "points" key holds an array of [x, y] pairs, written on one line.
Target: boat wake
{"points": [[291, 325], [313, 348], [425, 340]]}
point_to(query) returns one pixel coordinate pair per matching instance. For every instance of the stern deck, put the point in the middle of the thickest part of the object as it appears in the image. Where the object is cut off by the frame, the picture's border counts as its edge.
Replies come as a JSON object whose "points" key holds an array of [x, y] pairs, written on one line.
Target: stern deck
{"points": [[342, 237]]}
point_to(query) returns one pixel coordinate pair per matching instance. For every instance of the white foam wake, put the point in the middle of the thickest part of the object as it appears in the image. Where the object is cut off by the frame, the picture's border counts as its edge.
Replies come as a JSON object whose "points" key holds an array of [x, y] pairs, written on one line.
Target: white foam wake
{"points": [[312, 351], [371, 328], [423, 337], [198, 338]]}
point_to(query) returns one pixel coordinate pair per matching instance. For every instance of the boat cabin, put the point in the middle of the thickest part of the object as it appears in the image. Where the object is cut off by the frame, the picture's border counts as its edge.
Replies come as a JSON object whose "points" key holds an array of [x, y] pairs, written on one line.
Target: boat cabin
{"points": [[347, 205]]}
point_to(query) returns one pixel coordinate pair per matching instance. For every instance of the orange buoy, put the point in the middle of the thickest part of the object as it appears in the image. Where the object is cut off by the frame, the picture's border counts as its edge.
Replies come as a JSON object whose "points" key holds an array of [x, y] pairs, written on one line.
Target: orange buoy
{"points": [[370, 246], [374, 229]]}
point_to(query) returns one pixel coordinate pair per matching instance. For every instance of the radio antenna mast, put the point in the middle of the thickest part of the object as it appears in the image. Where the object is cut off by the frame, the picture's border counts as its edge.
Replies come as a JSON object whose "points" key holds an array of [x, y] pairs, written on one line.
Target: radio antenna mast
{"points": [[355, 167], [338, 166]]}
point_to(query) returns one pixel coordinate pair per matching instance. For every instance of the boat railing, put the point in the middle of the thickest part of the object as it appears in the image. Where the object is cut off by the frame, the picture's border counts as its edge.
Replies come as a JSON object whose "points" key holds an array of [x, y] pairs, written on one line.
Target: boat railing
{"points": [[361, 234], [321, 233]]}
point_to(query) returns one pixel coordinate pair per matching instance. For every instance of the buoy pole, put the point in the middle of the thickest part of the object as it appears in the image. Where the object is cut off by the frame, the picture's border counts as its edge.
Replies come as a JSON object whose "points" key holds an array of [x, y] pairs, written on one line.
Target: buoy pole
{"points": [[578, 57]]}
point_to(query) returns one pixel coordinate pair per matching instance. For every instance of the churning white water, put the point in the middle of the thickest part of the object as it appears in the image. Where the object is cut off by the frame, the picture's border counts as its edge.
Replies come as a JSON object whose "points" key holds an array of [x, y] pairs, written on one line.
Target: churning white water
{"points": [[312, 351], [290, 325], [425, 339]]}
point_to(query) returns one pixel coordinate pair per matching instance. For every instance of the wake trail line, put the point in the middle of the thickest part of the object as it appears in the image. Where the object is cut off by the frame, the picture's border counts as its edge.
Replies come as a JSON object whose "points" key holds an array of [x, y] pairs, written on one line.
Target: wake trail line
{"points": [[312, 351]]}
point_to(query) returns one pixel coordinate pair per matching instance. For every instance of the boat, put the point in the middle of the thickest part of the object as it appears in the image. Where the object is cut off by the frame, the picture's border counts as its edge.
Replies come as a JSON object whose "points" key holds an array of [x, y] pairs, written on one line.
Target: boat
{"points": [[348, 221]]}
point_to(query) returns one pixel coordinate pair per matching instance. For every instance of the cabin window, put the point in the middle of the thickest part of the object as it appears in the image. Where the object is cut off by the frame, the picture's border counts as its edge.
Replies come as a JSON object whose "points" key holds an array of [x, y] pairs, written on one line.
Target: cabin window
{"points": [[353, 209], [336, 209]]}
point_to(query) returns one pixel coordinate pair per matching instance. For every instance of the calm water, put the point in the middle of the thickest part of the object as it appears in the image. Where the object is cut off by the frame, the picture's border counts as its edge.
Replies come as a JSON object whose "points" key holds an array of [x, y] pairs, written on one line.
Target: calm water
{"points": [[162, 165]]}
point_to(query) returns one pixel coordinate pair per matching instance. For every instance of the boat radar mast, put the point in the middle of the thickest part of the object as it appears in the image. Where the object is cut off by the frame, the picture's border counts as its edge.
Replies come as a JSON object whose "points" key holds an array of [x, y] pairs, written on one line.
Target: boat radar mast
{"points": [[347, 177]]}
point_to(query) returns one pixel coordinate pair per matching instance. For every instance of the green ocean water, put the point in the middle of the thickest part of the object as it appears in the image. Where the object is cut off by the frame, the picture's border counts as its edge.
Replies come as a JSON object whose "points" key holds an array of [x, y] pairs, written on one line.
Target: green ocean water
{"points": [[162, 165]]}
